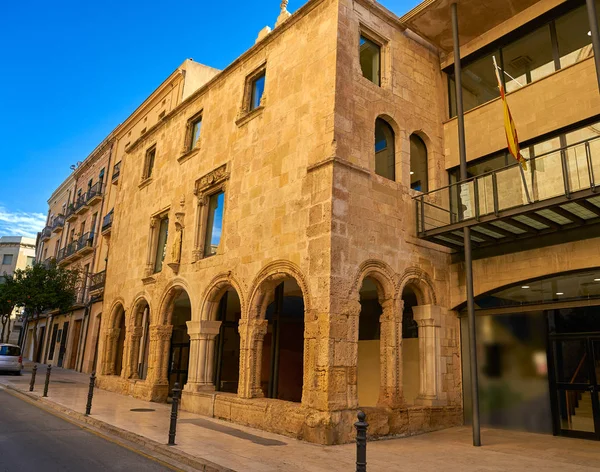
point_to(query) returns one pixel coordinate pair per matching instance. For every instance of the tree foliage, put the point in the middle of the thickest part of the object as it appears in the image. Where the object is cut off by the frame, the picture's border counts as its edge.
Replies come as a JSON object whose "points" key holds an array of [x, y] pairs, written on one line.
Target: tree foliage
{"points": [[41, 287], [7, 304]]}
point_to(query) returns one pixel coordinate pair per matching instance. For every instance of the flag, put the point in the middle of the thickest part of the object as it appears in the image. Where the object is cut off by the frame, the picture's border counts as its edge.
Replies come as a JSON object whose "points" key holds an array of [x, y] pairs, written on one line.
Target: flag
{"points": [[509, 125]]}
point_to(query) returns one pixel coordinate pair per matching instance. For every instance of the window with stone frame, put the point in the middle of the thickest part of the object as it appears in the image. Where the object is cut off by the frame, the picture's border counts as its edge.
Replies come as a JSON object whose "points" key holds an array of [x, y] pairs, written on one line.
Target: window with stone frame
{"points": [[157, 243], [193, 131], [254, 95], [372, 55], [210, 191], [149, 162]]}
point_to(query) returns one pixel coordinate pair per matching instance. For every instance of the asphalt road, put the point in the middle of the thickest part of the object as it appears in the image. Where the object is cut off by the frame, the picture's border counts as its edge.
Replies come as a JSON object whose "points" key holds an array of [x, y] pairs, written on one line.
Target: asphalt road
{"points": [[33, 440]]}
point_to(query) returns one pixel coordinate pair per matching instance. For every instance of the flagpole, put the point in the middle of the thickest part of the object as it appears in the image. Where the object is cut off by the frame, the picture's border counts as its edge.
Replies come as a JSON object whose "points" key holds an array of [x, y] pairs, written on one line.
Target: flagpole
{"points": [[467, 233], [497, 69]]}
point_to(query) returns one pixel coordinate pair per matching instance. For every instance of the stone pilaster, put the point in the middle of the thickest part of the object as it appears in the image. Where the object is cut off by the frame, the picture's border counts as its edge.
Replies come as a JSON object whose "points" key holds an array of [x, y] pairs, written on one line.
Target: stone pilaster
{"points": [[132, 340], [202, 348], [428, 317], [252, 333], [390, 391], [110, 356], [160, 337]]}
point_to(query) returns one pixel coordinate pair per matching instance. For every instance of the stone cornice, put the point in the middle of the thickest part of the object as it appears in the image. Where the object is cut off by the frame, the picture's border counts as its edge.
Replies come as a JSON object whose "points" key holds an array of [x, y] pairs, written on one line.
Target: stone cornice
{"points": [[379, 10], [339, 161]]}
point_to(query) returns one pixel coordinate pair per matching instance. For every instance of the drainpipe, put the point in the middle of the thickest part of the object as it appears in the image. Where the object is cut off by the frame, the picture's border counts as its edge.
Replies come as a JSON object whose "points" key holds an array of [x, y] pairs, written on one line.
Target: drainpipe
{"points": [[467, 231], [593, 18]]}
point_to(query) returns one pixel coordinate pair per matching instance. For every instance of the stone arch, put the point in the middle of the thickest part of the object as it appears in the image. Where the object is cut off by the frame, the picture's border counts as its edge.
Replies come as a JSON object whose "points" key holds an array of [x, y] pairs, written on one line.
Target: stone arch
{"points": [[117, 304], [267, 279], [385, 146], [114, 339], [137, 337], [170, 293], [387, 342], [139, 300], [420, 146], [421, 284], [213, 293]]}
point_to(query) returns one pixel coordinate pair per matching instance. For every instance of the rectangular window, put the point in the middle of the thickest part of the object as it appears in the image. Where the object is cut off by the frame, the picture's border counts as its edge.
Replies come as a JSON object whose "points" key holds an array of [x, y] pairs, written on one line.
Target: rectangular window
{"points": [[574, 38], [257, 87], [196, 126], [30, 261], [370, 60], [214, 223], [7, 259], [101, 177], [161, 244], [149, 162], [93, 225]]}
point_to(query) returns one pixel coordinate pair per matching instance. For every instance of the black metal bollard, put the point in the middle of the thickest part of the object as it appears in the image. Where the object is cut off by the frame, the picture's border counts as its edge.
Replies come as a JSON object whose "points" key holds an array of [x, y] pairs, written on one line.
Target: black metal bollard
{"points": [[361, 442], [88, 406], [48, 371], [174, 407], [32, 382]]}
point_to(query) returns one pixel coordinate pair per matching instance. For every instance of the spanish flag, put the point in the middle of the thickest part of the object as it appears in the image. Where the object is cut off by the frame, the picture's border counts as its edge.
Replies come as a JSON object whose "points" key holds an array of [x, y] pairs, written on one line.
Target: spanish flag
{"points": [[509, 125]]}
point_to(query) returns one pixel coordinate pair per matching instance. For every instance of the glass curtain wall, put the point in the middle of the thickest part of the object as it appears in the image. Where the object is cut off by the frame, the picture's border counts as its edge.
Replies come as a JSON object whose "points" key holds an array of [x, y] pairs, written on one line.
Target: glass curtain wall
{"points": [[525, 56]]}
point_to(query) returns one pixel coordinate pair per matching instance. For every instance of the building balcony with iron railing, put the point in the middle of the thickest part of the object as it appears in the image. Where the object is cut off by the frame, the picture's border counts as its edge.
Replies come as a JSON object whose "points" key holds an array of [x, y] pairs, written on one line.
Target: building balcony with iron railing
{"points": [[46, 233], [558, 192], [116, 172], [107, 222], [76, 249], [58, 222], [97, 282]]}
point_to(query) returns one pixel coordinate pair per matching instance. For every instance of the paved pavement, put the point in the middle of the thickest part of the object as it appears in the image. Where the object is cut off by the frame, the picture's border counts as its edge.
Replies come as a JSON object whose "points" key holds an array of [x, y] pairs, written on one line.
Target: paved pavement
{"points": [[32, 439], [246, 449]]}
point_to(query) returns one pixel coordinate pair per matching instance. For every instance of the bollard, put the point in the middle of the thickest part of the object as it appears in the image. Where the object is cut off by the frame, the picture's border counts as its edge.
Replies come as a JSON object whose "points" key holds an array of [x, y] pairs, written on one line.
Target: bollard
{"points": [[88, 406], [361, 442], [32, 383], [47, 380], [174, 406]]}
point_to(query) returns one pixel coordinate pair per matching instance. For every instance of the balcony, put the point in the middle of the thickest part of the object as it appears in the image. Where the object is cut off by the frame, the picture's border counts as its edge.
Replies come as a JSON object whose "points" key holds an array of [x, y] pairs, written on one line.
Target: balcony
{"points": [[58, 223], [97, 283], [94, 194], [107, 222], [557, 193], [47, 263], [70, 214], [116, 172], [85, 244], [80, 205], [46, 233], [68, 253]]}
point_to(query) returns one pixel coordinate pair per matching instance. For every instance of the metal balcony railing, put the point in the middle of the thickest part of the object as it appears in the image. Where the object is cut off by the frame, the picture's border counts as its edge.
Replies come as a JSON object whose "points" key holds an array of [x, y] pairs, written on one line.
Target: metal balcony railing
{"points": [[58, 222], [94, 191], [46, 233], [97, 281], [107, 221], [116, 171], [556, 191], [85, 241]]}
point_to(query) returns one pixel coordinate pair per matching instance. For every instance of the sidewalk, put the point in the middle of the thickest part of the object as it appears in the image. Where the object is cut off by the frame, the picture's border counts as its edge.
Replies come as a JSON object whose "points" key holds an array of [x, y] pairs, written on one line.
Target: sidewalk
{"points": [[244, 449]]}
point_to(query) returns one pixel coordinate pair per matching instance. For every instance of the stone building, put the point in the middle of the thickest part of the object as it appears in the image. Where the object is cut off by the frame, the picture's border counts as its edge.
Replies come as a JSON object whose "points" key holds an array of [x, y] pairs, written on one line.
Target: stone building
{"points": [[289, 236]]}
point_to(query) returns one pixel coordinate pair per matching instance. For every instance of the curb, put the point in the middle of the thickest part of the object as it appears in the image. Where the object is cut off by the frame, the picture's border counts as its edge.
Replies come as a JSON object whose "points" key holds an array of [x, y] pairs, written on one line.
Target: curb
{"points": [[148, 445]]}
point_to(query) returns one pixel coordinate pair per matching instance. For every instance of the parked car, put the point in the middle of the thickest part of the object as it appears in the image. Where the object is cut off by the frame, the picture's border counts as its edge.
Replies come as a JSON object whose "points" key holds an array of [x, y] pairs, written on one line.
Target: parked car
{"points": [[11, 359]]}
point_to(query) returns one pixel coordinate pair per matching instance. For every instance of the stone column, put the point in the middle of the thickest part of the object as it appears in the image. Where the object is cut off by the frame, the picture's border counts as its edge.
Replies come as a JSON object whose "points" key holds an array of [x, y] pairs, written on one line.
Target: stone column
{"points": [[202, 348], [252, 333], [428, 317], [160, 337], [390, 390], [132, 341], [110, 355]]}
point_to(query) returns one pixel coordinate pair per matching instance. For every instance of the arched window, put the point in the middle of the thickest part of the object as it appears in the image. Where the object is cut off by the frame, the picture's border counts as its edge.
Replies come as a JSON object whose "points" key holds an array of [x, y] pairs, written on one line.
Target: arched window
{"points": [[385, 155], [418, 164]]}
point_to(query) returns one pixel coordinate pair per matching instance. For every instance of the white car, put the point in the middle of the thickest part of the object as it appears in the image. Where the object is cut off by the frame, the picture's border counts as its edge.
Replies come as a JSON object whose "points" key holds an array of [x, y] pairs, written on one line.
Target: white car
{"points": [[11, 359]]}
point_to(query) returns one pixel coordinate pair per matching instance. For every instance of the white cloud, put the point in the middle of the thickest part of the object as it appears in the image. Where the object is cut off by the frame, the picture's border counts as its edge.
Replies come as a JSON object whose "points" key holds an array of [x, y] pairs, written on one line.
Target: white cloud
{"points": [[19, 223]]}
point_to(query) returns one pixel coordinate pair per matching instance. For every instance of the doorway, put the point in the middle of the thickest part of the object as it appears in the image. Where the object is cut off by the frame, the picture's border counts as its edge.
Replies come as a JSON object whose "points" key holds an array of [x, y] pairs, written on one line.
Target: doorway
{"points": [[63, 344], [40, 346], [179, 353], [74, 345]]}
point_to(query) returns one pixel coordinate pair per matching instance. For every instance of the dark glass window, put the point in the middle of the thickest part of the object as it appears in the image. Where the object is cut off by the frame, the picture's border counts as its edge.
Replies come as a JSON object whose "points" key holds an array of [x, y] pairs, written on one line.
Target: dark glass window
{"points": [[418, 164], [161, 246], [574, 38], [258, 88], [10, 351], [370, 60], [196, 126], [214, 223], [385, 159], [149, 164]]}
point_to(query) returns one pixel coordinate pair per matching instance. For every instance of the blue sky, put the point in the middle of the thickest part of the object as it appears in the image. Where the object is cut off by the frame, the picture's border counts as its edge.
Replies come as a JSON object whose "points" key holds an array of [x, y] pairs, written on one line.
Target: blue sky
{"points": [[72, 70]]}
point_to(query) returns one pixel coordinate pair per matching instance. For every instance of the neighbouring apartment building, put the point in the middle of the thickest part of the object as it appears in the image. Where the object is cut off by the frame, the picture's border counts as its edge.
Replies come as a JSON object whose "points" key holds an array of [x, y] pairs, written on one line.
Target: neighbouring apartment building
{"points": [[286, 241], [16, 252], [77, 234]]}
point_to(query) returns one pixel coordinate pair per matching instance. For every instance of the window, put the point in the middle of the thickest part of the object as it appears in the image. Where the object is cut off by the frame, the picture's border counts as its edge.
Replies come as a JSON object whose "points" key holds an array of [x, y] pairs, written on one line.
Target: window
{"points": [[149, 163], [101, 177], [30, 261], [385, 158], [214, 223], [90, 183], [161, 245], [418, 164], [257, 87], [537, 51], [195, 135], [93, 225], [370, 60], [7, 259]]}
